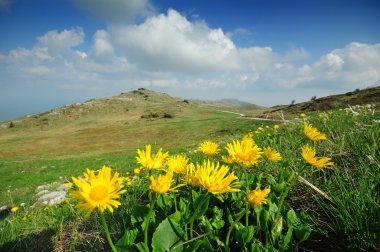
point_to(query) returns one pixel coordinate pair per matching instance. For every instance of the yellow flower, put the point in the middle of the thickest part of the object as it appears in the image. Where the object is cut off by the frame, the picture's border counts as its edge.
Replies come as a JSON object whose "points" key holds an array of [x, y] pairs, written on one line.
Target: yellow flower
{"points": [[267, 127], [313, 133], [215, 179], [258, 197], [177, 163], [276, 126], [162, 183], [98, 191], [209, 148], [23, 218], [146, 160], [14, 209], [244, 152], [302, 115], [260, 128], [137, 170], [272, 154], [248, 137], [191, 176], [228, 159], [308, 153], [69, 184]]}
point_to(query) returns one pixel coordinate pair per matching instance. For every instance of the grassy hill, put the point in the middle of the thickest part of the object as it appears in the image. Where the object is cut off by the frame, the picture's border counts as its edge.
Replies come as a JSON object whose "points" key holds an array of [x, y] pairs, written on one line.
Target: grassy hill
{"points": [[41, 148], [357, 97]]}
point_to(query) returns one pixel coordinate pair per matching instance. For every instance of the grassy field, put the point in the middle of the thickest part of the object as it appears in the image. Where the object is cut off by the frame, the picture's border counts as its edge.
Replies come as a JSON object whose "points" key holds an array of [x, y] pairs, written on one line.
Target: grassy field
{"points": [[61, 143], [335, 209]]}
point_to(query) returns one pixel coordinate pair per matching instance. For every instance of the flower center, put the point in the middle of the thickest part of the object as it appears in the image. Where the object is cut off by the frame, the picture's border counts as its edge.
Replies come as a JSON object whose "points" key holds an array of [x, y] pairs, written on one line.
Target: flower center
{"points": [[243, 156], [98, 193]]}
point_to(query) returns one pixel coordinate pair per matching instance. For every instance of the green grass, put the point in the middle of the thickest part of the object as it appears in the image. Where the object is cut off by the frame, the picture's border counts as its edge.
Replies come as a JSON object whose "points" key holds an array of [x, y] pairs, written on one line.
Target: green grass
{"points": [[115, 146], [350, 222]]}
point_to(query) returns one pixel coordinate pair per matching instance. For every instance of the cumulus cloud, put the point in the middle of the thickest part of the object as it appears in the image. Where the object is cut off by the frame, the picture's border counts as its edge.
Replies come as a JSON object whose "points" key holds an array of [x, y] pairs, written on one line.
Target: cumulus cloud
{"points": [[171, 42], [61, 40], [356, 65], [296, 54], [117, 10], [102, 48]]}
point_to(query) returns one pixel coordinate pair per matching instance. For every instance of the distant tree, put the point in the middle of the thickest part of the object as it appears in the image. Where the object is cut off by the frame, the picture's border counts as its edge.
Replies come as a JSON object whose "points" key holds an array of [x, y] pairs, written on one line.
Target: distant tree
{"points": [[313, 98], [292, 103]]}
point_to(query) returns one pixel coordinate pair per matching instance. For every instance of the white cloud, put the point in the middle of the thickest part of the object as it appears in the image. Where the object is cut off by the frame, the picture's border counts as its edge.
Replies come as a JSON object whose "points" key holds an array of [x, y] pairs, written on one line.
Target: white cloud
{"points": [[39, 70], [171, 42], [116, 10], [296, 54], [356, 65], [61, 40], [103, 48]]}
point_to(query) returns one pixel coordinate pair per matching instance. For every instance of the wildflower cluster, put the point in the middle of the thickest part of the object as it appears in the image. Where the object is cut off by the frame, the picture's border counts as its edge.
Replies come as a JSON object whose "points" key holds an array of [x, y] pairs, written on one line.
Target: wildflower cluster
{"points": [[203, 196]]}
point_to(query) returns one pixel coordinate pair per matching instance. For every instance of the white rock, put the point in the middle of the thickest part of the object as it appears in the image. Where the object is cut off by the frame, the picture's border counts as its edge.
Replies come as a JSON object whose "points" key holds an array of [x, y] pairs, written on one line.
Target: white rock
{"points": [[61, 187], [42, 192], [41, 187], [52, 198]]}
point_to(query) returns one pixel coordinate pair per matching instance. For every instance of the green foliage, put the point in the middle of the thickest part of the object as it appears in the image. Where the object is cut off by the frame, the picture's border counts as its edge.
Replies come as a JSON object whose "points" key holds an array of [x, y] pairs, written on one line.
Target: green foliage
{"points": [[168, 234]]}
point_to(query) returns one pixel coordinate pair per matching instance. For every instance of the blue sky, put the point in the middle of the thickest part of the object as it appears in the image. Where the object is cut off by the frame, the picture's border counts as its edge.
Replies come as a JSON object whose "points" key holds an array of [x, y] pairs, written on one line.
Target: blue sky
{"points": [[266, 52]]}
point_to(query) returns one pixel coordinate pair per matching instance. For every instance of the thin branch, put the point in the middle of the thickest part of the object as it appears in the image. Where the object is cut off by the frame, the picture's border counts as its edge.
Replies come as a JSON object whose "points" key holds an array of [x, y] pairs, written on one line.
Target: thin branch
{"points": [[186, 242], [302, 180]]}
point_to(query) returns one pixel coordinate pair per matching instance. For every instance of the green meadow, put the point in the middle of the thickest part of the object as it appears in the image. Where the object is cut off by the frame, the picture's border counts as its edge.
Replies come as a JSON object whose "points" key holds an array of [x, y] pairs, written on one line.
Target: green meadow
{"points": [[307, 209]]}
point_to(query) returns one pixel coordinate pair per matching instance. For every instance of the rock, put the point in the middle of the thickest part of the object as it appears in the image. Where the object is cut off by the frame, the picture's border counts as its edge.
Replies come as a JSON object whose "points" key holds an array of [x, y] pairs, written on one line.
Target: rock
{"points": [[4, 211], [61, 187], [52, 198], [41, 187], [42, 192]]}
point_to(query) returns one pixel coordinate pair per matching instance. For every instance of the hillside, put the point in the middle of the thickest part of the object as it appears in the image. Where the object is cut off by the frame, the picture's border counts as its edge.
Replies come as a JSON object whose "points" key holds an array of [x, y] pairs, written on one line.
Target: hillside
{"points": [[111, 124], [357, 97]]}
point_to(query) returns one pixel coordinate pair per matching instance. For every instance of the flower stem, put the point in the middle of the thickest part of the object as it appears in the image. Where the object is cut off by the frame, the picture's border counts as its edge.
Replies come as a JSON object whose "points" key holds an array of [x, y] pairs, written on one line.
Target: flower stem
{"points": [[292, 181], [195, 214], [107, 233], [147, 220], [232, 227]]}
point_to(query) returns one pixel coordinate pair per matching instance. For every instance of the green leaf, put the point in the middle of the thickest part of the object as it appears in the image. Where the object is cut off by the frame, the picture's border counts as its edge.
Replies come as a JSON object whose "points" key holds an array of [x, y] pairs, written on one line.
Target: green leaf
{"points": [[164, 201], [255, 247], [167, 235], [244, 234], [217, 218], [292, 219], [264, 219], [127, 240], [273, 209], [303, 232], [183, 206], [194, 195], [277, 228], [201, 206], [206, 223], [287, 239], [176, 216], [142, 247], [139, 214]]}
